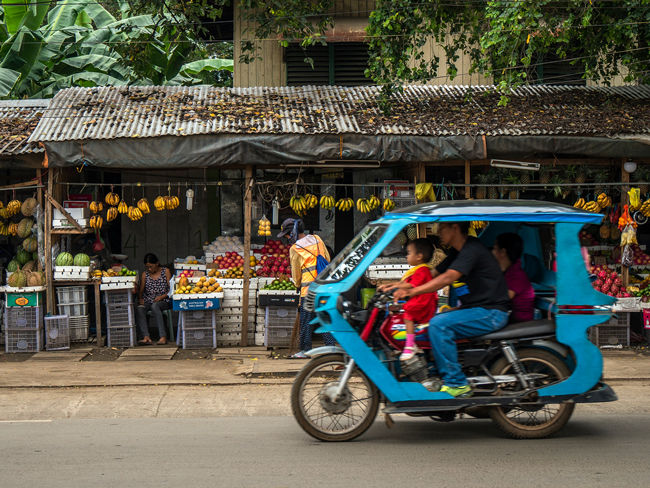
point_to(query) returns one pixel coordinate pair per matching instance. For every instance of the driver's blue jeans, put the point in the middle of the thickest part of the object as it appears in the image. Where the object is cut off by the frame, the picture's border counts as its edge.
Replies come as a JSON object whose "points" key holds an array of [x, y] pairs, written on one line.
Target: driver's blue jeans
{"points": [[446, 327]]}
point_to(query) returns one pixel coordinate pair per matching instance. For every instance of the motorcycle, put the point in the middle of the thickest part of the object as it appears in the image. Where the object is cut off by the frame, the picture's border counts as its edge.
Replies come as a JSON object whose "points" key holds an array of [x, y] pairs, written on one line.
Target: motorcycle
{"points": [[527, 377]]}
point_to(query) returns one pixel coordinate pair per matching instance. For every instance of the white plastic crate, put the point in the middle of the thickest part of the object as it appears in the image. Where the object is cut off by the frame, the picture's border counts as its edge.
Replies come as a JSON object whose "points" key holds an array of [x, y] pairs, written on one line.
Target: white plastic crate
{"points": [[78, 328], [118, 296], [120, 315], [228, 339], [23, 318], [197, 319], [71, 294], [234, 328], [72, 273], [121, 336], [278, 325], [23, 340], [612, 333], [73, 309], [199, 338], [57, 333]]}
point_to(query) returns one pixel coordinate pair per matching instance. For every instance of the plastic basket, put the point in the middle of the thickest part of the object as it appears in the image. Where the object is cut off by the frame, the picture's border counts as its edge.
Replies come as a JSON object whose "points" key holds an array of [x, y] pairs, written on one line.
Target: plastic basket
{"points": [[78, 328], [281, 317], [23, 340], [121, 336], [120, 315], [57, 333], [199, 338], [73, 309], [23, 318], [197, 319], [118, 296], [613, 333], [71, 294]]}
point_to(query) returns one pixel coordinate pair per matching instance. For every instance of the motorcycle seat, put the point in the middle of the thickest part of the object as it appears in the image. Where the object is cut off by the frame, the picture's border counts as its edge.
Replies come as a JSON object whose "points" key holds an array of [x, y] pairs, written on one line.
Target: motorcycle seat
{"points": [[531, 328]]}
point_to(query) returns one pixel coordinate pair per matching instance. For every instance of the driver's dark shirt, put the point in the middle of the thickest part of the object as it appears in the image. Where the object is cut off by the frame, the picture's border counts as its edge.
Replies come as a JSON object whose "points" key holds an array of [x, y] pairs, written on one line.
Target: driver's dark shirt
{"points": [[482, 283]]}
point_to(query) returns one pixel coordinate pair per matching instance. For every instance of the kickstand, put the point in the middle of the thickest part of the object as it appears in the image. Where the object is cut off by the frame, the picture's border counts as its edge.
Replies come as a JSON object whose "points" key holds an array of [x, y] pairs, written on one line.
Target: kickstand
{"points": [[389, 420]]}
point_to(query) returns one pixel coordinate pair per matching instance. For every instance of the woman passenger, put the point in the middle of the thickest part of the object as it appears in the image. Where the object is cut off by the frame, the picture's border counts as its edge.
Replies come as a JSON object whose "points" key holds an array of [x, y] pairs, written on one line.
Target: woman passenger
{"points": [[507, 250]]}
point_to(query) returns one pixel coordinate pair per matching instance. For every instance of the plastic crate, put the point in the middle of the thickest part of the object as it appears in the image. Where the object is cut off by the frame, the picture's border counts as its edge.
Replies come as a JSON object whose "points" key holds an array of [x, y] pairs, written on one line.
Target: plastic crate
{"points": [[118, 296], [197, 319], [78, 328], [280, 316], [71, 294], [23, 318], [120, 315], [277, 336], [23, 340], [57, 333], [121, 336], [199, 338], [73, 309], [613, 333]]}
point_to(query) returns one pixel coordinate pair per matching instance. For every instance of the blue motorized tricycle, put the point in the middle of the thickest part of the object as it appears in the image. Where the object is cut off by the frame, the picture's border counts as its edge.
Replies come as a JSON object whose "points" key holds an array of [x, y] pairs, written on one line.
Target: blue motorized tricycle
{"points": [[527, 377]]}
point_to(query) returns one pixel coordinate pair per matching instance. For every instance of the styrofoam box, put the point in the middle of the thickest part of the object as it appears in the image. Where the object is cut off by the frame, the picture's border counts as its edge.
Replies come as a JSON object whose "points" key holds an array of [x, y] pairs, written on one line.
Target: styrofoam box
{"points": [[235, 328], [116, 286], [119, 279], [65, 223], [75, 213]]}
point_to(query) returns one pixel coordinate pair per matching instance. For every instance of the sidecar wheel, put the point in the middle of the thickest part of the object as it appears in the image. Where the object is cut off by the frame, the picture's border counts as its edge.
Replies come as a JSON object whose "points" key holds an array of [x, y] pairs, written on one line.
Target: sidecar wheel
{"points": [[324, 419], [533, 421]]}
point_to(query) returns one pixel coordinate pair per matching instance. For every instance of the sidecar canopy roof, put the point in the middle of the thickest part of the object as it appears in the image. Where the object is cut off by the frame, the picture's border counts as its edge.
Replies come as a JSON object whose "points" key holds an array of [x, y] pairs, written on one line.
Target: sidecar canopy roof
{"points": [[494, 210]]}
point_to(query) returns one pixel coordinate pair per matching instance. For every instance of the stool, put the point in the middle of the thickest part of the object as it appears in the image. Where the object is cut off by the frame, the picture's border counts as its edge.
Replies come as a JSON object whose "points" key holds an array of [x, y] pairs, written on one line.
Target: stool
{"points": [[167, 314]]}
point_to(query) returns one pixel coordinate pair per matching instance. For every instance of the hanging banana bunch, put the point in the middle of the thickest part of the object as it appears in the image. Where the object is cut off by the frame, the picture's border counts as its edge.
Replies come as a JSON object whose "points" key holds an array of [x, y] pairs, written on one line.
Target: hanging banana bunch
{"points": [[345, 204], [310, 200], [143, 205], [363, 205], [388, 204], [111, 214], [112, 199], [424, 192], [580, 203], [591, 206], [374, 202], [645, 208], [3, 229], [604, 201], [4, 213], [327, 202], [134, 213], [170, 203], [96, 221], [96, 207], [122, 207], [159, 203], [13, 207], [298, 204], [13, 229]]}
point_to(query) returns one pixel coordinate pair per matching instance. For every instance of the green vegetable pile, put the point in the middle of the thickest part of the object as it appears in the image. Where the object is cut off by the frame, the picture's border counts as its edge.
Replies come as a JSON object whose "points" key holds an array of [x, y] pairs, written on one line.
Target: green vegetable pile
{"points": [[280, 285]]}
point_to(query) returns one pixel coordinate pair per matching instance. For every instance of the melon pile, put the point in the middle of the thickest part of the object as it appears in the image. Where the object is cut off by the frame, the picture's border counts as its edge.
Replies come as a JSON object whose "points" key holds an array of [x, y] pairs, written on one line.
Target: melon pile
{"points": [[66, 259], [21, 279]]}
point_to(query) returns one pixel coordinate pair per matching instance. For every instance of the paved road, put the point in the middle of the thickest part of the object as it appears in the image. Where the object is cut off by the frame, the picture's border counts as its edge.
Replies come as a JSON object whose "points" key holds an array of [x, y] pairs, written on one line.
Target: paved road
{"points": [[605, 446]]}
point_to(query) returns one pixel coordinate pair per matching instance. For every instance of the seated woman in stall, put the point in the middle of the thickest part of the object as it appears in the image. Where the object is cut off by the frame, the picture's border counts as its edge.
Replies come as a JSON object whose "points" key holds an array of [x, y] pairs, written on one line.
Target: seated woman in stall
{"points": [[507, 250]]}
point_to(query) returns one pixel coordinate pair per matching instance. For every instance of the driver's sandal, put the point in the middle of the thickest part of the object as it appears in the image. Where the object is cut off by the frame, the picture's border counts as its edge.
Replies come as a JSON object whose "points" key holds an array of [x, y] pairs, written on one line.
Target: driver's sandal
{"points": [[409, 352]]}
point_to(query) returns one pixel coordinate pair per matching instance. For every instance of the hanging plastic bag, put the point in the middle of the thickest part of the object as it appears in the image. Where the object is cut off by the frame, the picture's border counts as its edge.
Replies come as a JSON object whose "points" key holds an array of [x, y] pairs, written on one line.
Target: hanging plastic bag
{"points": [[627, 259]]}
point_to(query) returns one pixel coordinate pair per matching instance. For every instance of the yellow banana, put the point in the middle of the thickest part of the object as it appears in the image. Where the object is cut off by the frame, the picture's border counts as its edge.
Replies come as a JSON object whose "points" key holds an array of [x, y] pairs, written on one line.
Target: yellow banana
{"points": [[122, 207], [143, 205]]}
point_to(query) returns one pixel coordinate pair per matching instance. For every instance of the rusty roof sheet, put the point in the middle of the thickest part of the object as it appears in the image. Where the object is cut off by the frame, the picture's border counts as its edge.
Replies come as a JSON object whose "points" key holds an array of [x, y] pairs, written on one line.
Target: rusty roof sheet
{"points": [[427, 110], [18, 119]]}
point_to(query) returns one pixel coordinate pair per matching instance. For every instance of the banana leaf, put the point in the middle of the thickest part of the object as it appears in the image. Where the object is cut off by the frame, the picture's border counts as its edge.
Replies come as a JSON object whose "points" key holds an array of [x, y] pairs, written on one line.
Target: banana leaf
{"points": [[8, 79], [28, 13]]}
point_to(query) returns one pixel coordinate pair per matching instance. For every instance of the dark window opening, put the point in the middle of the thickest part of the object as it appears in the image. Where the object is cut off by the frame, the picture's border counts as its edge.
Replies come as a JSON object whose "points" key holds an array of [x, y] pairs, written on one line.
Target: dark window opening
{"points": [[342, 63]]}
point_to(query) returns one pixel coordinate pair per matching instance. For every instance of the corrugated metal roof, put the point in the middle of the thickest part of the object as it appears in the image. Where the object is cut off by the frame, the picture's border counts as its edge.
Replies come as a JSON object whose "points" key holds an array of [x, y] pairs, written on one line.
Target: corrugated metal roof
{"points": [[128, 112], [18, 119]]}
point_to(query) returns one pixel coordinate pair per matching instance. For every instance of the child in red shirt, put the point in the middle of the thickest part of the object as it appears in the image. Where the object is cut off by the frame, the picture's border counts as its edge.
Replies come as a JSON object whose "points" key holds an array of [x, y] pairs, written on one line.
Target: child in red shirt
{"points": [[421, 308]]}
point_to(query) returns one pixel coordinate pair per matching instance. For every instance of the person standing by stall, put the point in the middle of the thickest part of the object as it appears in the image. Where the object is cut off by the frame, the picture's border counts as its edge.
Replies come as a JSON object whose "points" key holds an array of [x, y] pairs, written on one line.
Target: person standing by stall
{"points": [[153, 296], [304, 254]]}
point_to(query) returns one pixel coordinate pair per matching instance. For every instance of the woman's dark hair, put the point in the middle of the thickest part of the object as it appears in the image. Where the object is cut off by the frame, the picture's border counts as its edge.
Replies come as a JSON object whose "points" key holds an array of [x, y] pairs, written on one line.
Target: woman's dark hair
{"points": [[512, 243], [423, 246], [151, 258], [300, 226]]}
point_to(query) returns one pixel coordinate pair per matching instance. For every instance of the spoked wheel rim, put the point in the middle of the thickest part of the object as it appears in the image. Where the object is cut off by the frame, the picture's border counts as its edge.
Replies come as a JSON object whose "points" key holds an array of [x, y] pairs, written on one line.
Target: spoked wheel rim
{"points": [[321, 416], [533, 420]]}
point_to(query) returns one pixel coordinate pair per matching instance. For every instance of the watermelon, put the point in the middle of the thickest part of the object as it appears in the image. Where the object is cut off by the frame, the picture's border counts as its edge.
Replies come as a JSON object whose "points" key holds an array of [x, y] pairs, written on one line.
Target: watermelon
{"points": [[30, 244], [23, 256], [81, 259], [64, 259], [13, 266], [17, 279]]}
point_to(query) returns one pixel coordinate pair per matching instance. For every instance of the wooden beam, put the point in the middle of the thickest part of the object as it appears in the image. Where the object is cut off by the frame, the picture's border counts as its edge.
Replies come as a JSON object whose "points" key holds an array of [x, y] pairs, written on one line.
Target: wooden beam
{"points": [[421, 177], [21, 185], [49, 275], [248, 215], [65, 213], [39, 199]]}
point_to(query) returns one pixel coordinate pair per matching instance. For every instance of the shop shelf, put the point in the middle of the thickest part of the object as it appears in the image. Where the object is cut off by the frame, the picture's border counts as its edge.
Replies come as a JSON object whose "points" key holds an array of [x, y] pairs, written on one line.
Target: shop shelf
{"points": [[71, 294], [199, 338], [73, 309], [121, 336], [120, 315], [23, 340], [23, 318], [118, 296], [78, 328], [197, 319], [57, 332]]}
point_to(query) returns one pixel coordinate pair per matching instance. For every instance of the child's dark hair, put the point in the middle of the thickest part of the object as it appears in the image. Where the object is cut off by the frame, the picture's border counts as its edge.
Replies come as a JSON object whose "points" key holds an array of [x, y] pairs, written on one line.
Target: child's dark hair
{"points": [[423, 246], [512, 243], [150, 258]]}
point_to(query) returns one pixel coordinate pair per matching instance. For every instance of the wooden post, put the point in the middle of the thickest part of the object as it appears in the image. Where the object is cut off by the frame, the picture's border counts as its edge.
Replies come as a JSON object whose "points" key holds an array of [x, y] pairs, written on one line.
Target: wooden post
{"points": [[49, 276], [421, 177], [625, 200], [39, 199], [468, 180], [248, 215]]}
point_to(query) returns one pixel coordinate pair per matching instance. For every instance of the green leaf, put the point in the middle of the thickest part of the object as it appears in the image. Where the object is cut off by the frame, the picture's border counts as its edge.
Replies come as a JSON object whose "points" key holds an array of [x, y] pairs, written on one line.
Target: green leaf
{"points": [[28, 13], [8, 79], [196, 67]]}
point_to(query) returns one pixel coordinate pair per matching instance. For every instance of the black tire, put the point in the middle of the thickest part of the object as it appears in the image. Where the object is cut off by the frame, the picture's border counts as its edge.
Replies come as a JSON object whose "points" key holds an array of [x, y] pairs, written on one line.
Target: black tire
{"points": [[324, 424], [537, 421]]}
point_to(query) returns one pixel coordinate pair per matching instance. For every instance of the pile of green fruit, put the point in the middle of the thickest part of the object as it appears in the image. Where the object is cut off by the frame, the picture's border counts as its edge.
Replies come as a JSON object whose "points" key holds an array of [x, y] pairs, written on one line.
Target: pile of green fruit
{"points": [[127, 272], [280, 285]]}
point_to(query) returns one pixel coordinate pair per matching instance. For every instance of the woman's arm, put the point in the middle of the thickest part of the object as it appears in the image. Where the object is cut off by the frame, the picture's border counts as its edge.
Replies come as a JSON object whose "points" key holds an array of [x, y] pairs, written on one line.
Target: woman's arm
{"points": [[168, 276], [446, 278], [143, 280]]}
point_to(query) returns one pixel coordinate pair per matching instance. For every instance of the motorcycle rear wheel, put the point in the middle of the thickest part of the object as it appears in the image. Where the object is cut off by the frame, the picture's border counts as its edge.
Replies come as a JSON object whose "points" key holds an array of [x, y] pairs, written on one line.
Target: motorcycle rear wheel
{"points": [[318, 415], [538, 420]]}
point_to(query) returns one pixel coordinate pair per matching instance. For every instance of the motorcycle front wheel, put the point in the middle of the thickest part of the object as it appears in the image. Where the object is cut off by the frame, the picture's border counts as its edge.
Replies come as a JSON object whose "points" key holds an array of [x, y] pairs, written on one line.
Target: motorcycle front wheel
{"points": [[320, 414], [533, 421]]}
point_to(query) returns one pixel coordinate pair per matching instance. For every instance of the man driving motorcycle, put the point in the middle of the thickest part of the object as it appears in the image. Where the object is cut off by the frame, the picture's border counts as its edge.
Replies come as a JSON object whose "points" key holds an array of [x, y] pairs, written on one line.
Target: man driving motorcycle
{"points": [[477, 280]]}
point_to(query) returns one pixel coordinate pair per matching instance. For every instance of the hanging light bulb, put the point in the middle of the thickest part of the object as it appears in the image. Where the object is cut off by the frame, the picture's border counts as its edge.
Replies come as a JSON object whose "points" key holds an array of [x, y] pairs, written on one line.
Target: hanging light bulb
{"points": [[190, 198], [276, 211]]}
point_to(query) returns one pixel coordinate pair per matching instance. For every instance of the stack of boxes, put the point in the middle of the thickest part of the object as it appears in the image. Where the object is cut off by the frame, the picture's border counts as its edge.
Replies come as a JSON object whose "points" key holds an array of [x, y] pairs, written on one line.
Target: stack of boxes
{"points": [[229, 316], [197, 329], [279, 309], [73, 302], [120, 318]]}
